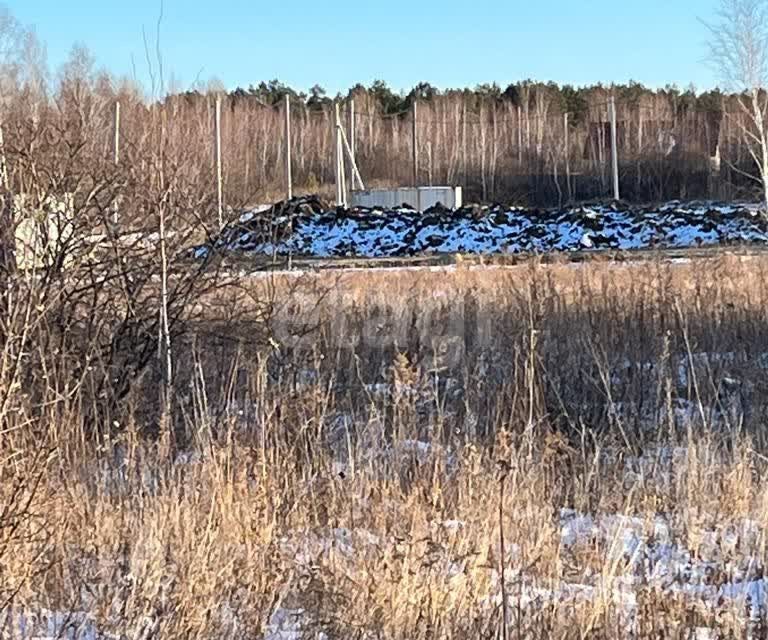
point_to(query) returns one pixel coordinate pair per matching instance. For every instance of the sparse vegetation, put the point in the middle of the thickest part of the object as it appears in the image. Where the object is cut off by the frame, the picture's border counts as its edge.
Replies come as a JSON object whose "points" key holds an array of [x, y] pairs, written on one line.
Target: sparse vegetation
{"points": [[533, 450], [346, 479]]}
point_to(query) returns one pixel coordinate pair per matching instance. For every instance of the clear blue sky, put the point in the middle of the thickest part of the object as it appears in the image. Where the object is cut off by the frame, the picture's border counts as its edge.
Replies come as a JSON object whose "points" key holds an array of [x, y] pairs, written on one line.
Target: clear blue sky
{"points": [[339, 43]]}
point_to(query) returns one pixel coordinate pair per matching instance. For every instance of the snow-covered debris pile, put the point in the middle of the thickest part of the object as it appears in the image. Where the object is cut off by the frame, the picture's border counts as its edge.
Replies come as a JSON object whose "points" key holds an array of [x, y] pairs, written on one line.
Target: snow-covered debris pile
{"points": [[267, 228], [307, 227]]}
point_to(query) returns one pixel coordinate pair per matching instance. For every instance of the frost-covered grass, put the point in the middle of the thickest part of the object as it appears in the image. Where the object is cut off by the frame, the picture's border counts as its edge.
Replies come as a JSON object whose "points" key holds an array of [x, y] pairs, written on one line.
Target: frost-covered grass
{"points": [[589, 463]]}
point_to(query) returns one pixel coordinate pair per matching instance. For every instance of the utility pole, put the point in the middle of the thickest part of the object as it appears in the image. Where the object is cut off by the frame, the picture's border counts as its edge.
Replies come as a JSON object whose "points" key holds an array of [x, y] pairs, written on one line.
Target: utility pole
{"points": [[7, 233], [4, 181], [116, 155], [567, 156], [288, 168], [614, 149], [415, 144], [464, 142], [353, 150], [339, 173], [116, 144], [342, 171], [219, 187]]}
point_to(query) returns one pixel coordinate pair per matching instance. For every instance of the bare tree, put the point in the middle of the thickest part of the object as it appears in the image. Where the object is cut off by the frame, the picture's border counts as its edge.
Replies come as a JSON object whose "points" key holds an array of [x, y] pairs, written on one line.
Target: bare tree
{"points": [[739, 52]]}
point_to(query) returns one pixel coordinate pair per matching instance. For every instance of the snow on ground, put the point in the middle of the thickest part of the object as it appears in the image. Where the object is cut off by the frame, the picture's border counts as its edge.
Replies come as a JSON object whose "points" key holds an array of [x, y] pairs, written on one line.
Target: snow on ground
{"points": [[283, 624], [45, 625], [715, 568], [291, 624], [711, 560], [374, 233]]}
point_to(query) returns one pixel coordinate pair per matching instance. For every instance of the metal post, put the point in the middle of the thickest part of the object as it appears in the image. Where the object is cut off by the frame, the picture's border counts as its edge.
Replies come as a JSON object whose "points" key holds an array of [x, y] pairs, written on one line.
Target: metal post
{"points": [[288, 168], [415, 145], [219, 188], [614, 149]]}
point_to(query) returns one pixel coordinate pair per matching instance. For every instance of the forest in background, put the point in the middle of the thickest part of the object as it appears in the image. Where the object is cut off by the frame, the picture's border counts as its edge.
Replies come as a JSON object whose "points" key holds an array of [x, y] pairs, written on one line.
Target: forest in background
{"points": [[513, 145], [531, 143]]}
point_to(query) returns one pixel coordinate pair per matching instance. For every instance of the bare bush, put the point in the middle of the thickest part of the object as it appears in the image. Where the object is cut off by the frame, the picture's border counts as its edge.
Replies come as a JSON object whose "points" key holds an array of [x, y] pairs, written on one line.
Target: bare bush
{"points": [[739, 50]]}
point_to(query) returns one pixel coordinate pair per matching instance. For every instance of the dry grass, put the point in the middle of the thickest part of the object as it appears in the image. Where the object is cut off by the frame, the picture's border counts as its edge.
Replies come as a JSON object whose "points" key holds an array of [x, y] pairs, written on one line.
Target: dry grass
{"points": [[358, 477]]}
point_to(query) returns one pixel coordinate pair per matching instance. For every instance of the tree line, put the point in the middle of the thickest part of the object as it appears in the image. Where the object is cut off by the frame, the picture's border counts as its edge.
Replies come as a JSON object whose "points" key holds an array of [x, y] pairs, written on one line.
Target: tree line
{"points": [[533, 143], [529, 142]]}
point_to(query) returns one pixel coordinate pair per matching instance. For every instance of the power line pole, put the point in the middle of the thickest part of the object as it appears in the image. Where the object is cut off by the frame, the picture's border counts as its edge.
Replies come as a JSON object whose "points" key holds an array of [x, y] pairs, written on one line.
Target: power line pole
{"points": [[339, 171], [219, 187], [464, 142], [116, 154], [288, 168], [7, 233], [614, 149], [353, 151], [415, 145], [567, 157], [116, 144], [342, 171]]}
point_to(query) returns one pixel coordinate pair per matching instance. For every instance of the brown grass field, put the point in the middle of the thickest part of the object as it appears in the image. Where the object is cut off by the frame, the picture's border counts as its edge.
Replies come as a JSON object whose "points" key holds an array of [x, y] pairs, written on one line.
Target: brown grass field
{"points": [[532, 451]]}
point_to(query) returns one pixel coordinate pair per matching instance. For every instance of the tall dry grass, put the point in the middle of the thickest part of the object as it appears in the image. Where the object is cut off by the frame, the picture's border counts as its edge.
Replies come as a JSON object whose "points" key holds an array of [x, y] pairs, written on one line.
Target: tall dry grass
{"points": [[351, 477]]}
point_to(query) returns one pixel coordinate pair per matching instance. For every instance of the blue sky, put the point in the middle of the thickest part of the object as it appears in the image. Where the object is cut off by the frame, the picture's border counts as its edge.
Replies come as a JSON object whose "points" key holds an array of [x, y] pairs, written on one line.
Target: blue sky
{"points": [[337, 43]]}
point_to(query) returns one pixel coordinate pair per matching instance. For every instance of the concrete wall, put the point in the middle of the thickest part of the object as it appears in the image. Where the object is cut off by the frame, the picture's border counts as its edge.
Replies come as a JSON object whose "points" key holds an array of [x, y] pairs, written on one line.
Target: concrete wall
{"points": [[41, 231], [420, 198]]}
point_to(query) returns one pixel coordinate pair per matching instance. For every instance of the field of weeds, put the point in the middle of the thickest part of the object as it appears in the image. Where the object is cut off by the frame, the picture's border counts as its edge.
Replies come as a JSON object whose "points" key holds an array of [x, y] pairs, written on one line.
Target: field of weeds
{"points": [[535, 451]]}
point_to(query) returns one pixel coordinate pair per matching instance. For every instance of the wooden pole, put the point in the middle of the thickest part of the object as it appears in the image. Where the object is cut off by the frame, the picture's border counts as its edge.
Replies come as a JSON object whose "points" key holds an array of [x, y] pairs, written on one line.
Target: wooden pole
{"points": [[288, 168], [219, 186], [614, 150], [415, 144]]}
